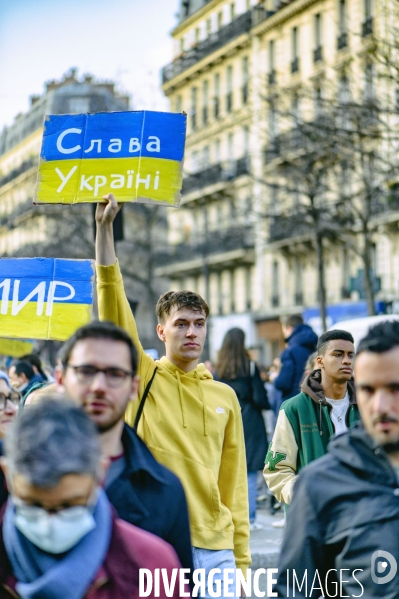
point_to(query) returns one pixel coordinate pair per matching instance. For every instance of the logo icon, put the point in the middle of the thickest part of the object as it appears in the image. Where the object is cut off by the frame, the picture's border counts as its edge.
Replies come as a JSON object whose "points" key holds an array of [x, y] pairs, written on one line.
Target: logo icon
{"points": [[380, 567], [220, 411]]}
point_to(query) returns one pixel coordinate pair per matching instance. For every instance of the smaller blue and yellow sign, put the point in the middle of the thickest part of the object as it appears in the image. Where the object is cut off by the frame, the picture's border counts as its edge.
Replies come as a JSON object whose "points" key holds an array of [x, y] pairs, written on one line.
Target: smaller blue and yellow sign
{"points": [[15, 348], [44, 298], [138, 156]]}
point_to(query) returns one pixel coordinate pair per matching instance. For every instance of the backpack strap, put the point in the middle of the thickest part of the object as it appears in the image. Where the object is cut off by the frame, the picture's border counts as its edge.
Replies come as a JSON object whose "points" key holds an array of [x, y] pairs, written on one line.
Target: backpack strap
{"points": [[143, 400]]}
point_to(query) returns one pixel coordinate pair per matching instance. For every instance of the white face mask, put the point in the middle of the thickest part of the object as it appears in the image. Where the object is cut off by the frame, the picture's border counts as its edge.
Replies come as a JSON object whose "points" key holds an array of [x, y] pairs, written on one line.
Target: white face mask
{"points": [[53, 533]]}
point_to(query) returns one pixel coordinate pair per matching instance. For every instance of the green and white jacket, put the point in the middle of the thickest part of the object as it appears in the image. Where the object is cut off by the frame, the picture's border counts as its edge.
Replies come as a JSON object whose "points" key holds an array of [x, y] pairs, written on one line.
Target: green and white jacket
{"points": [[303, 431]]}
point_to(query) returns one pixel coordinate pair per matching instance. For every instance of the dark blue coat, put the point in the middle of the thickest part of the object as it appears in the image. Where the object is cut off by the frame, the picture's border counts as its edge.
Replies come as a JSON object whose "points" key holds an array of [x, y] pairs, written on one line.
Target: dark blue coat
{"points": [[252, 396], [151, 497], [301, 343], [3, 488]]}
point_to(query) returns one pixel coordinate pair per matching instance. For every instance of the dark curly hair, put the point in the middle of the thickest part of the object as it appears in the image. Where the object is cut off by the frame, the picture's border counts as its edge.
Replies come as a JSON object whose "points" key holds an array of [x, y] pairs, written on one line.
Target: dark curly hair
{"points": [[179, 300]]}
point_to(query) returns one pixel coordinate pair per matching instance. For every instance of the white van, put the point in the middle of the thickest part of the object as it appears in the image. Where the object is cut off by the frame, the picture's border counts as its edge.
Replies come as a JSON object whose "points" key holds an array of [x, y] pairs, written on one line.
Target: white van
{"points": [[359, 327]]}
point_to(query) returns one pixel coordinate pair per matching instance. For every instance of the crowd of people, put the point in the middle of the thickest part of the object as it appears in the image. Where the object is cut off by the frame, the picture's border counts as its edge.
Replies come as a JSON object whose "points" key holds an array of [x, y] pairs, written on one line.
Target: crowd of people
{"points": [[117, 462]]}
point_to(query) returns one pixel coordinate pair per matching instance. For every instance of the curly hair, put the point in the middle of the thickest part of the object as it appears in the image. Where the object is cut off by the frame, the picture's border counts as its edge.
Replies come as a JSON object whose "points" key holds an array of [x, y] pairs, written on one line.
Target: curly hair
{"points": [[179, 300]]}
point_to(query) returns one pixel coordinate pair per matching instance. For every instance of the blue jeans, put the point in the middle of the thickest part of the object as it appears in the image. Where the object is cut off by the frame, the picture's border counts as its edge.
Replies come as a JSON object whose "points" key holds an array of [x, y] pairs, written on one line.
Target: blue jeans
{"points": [[252, 483], [207, 559]]}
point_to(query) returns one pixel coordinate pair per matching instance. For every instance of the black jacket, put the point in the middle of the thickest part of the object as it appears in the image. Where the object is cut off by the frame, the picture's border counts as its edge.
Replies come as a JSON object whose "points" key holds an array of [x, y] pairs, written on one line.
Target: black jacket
{"points": [[151, 497], [252, 395], [301, 343], [345, 508]]}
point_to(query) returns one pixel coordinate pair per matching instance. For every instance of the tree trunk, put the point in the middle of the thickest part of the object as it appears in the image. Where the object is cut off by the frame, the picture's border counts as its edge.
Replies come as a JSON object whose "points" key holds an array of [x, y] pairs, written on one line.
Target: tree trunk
{"points": [[368, 280], [321, 279]]}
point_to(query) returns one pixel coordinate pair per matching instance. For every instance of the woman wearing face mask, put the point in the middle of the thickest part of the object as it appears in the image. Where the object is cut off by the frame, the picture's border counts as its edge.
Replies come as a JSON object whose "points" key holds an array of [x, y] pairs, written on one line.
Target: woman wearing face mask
{"points": [[59, 537], [9, 403]]}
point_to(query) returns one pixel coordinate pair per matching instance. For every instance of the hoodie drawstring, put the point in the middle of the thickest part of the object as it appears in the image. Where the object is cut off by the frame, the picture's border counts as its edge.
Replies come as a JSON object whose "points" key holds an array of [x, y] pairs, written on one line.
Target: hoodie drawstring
{"points": [[181, 398], [203, 402], [321, 432]]}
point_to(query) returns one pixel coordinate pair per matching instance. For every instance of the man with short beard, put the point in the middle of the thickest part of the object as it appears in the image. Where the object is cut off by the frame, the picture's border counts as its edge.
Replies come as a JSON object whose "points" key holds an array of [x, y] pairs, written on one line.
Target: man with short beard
{"points": [[343, 526], [99, 365]]}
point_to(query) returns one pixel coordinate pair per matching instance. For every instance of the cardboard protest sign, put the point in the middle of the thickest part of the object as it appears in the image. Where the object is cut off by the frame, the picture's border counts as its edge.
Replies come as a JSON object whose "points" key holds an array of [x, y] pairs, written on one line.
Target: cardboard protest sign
{"points": [[44, 298], [15, 348], [138, 156]]}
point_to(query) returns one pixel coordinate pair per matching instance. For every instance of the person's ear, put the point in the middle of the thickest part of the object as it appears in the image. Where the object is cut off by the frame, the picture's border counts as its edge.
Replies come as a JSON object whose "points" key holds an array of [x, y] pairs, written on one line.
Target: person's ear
{"points": [[3, 465], [319, 362], [135, 388], [161, 332], [59, 378]]}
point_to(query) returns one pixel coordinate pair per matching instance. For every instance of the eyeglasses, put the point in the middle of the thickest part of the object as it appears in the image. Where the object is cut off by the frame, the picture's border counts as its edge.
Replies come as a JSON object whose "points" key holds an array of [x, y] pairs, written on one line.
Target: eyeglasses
{"points": [[14, 397], [115, 376]]}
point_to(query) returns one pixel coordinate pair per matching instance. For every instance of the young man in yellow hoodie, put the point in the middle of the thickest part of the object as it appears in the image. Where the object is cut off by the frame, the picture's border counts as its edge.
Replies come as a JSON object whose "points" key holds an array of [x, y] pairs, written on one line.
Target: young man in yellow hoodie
{"points": [[191, 423]]}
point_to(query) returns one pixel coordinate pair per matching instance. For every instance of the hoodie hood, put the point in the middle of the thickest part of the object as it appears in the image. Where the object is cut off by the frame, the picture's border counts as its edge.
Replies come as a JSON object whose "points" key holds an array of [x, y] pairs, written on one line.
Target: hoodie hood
{"points": [[303, 335], [311, 385], [184, 379]]}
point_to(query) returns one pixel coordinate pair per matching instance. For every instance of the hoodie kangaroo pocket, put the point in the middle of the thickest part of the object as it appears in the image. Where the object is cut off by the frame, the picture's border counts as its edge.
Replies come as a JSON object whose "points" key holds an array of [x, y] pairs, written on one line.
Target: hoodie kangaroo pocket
{"points": [[201, 489]]}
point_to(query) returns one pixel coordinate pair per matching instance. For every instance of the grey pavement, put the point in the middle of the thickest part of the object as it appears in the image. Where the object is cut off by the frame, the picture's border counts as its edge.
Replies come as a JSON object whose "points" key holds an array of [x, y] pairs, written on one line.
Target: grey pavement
{"points": [[265, 543]]}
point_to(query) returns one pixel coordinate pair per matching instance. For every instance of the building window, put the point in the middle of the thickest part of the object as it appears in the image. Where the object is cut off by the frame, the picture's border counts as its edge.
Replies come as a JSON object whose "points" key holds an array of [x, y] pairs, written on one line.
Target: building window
{"points": [[216, 97], [205, 157], [217, 151], [245, 79], [79, 105], [194, 108], [272, 70], [342, 40], [246, 140], [220, 20], [367, 25], [197, 35], [317, 52], [275, 284], [205, 102], [369, 82], [232, 11], [318, 101], [229, 97], [294, 50]]}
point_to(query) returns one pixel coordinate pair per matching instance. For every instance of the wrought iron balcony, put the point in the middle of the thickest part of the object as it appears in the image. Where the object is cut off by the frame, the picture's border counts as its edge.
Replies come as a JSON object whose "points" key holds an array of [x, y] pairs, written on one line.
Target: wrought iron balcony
{"points": [[287, 226], [295, 65], [367, 27], [226, 240], [342, 40], [22, 168], [225, 171], [318, 54], [216, 40]]}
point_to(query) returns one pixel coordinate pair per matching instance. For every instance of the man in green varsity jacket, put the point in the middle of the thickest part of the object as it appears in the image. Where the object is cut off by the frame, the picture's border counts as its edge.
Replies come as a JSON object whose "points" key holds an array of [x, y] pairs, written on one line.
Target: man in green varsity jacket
{"points": [[306, 423]]}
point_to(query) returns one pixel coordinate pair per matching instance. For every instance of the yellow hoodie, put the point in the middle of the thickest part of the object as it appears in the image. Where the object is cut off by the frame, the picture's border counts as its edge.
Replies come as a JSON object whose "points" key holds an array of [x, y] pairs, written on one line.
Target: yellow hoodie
{"points": [[193, 425]]}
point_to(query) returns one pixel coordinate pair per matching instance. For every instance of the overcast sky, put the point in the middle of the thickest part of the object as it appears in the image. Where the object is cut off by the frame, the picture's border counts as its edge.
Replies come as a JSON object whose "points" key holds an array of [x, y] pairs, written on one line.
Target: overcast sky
{"points": [[126, 41]]}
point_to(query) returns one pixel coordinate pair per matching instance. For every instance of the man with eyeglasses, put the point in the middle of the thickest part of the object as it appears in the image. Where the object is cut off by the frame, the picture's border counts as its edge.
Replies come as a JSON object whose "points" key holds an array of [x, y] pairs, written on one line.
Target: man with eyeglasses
{"points": [[99, 364], [9, 403]]}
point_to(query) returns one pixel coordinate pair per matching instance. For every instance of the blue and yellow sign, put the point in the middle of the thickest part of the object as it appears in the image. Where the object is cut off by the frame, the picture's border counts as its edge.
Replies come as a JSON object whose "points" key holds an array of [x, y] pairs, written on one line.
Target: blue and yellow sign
{"points": [[15, 348], [138, 156], [44, 298]]}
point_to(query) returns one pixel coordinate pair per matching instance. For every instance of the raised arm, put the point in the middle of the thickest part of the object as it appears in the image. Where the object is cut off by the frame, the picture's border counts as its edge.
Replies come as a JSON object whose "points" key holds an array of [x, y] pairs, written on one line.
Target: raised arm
{"points": [[112, 300], [105, 216]]}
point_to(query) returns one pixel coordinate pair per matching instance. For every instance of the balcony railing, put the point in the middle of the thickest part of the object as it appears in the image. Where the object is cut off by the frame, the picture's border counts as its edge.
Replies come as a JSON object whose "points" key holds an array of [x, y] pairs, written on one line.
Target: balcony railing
{"points": [[287, 226], [367, 26], [216, 40], [226, 240], [342, 40], [295, 65], [318, 54], [22, 168], [225, 171]]}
